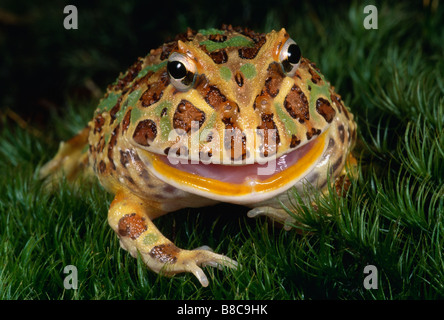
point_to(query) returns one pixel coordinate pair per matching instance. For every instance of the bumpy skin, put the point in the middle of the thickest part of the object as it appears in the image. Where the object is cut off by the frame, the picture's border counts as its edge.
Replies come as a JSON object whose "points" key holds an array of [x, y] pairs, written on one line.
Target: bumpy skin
{"points": [[239, 85]]}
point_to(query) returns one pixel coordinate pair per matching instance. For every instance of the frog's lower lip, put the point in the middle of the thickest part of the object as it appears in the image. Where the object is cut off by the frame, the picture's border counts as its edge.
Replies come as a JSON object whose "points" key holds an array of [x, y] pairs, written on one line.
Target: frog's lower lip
{"points": [[244, 183], [242, 173]]}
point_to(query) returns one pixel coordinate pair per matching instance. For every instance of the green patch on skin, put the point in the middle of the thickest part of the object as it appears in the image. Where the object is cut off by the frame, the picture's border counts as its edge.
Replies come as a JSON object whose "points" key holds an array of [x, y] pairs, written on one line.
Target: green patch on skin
{"points": [[165, 128], [286, 120], [165, 123], [109, 102], [161, 106], [238, 41], [107, 136], [210, 31], [150, 239], [131, 101], [136, 114], [133, 97], [225, 73], [208, 125], [153, 68], [316, 92], [248, 70]]}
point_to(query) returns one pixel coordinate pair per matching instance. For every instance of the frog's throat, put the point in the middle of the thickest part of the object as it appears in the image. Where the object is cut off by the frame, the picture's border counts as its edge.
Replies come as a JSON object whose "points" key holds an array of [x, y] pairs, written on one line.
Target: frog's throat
{"points": [[243, 191]]}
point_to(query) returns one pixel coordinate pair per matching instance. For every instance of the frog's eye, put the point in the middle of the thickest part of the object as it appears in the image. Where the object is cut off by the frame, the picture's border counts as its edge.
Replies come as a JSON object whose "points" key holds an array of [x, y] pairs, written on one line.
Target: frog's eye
{"points": [[290, 57], [182, 71]]}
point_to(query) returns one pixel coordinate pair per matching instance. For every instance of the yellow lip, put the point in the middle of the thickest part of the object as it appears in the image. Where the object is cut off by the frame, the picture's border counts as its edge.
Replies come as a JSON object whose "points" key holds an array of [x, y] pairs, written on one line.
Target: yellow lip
{"points": [[215, 187]]}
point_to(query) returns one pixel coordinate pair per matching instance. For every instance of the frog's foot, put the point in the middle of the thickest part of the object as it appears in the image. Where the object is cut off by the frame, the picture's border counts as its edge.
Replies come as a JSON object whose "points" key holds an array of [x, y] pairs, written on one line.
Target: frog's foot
{"points": [[70, 159], [130, 217], [192, 260], [276, 214]]}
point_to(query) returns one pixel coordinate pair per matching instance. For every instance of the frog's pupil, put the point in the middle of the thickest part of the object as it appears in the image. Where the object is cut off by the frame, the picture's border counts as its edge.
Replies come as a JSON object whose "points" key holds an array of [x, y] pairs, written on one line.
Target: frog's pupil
{"points": [[176, 69], [294, 53]]}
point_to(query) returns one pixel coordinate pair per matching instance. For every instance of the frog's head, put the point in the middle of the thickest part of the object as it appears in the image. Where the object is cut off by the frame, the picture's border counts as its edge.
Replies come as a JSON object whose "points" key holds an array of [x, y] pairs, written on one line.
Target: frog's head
{"points": [[228, 114]]}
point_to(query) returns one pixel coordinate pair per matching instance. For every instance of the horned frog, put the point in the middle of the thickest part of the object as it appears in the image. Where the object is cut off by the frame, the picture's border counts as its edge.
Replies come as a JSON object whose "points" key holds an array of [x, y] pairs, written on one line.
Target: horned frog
{"points": [[218, 115]]}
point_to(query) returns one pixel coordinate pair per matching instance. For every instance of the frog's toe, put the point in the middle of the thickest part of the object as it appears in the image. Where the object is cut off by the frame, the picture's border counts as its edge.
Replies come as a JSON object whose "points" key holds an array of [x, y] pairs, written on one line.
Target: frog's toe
{"points": [[193, 260]]}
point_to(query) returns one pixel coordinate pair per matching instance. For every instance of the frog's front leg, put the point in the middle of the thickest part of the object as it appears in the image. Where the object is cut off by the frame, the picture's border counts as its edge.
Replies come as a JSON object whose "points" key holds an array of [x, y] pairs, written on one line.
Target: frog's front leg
{"points": [[131, 218], [341, 184], [275, 214]]}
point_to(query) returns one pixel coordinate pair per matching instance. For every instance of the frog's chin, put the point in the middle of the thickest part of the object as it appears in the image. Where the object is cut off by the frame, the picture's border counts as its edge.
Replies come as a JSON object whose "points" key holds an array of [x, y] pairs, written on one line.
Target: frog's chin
{"points": [[242, 184]]}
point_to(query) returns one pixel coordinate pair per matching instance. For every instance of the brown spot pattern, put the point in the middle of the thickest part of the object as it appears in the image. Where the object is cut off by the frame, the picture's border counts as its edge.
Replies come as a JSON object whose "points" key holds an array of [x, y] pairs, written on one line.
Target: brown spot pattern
{"points": [[251, 52], [187, 35], [114, 110], [167, 48], [315, 77], [269, 147], [296, 104], [99, 121], [213, 96], [239, 79], [261, 101], [145, 132], [112, 143], [336, 165], [341, 132], [324, 108], [274, 79], [185, 113], [271, 87], [337, 100], [235, 141], [313, 132], [155, 91], [101, 144], [219, 56], [143, 81], [342, 184], [124, 158], [341, 108], [129, 76], [126, 121], [102, 166], [165, 253], [217, 37], [132, 225], [294, 141]]}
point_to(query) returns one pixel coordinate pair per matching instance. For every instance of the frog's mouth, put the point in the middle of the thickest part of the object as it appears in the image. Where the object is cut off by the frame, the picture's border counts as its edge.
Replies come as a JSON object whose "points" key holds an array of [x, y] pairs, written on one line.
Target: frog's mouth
{"points": [[239, 184]]}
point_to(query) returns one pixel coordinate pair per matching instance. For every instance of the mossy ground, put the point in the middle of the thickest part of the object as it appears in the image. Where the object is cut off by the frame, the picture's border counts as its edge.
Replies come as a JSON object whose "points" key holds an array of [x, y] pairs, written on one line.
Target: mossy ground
{"points": [[392, 217]]}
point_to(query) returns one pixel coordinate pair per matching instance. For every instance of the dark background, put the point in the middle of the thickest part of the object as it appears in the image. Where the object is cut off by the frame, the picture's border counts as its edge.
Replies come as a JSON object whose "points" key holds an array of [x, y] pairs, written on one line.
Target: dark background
{"points": [[43, 64]]}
